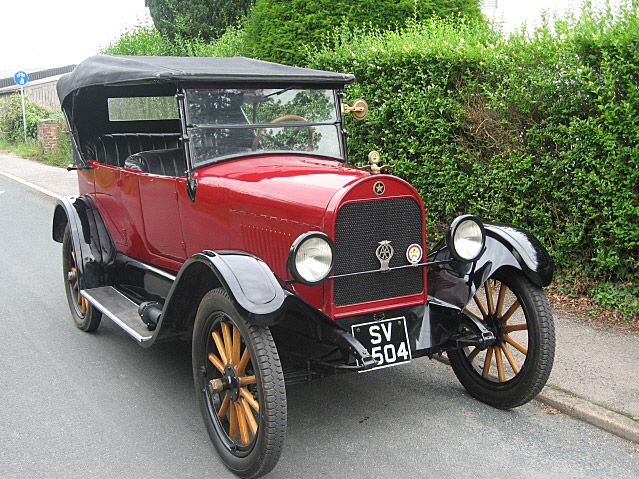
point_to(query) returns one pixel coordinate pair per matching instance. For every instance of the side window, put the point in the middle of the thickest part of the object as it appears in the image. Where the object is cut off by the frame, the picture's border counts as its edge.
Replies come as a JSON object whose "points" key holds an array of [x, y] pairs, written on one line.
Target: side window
{"points": [[143, 128], [143, 108]]}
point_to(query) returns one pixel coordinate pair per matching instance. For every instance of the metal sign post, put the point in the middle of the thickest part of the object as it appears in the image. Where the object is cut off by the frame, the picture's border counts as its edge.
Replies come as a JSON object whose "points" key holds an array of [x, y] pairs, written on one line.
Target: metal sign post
{"points": [[24, 115], [21, 78]]}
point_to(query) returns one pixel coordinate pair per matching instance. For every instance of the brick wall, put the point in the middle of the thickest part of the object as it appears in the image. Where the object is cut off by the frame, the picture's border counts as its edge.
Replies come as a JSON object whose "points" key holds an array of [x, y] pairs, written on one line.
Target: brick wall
{"points": [[48, 132]]}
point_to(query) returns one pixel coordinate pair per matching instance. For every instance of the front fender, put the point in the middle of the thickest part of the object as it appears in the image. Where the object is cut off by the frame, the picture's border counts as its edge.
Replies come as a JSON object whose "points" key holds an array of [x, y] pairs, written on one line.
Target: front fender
{"points": [[252, 286], [455, 283], [92, 243], [532, 257]]}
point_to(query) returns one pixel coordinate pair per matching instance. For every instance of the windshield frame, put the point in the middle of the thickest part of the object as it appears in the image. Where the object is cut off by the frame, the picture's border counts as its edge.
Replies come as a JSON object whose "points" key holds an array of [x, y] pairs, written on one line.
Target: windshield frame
{"points": [[188, 126]]}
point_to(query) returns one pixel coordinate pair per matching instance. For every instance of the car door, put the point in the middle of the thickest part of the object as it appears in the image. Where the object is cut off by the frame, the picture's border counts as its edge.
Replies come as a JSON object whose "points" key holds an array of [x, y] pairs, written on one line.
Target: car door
{"points": [[161, 215]]}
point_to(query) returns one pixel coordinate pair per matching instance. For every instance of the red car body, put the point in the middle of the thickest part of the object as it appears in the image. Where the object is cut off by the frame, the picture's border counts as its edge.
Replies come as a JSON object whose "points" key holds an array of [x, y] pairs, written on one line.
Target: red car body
{"points": [[152, 218]]}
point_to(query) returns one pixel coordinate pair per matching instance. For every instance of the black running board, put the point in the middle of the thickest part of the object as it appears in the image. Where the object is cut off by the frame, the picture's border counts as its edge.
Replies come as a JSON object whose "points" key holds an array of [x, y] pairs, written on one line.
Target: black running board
{"points": [[120, 309]]}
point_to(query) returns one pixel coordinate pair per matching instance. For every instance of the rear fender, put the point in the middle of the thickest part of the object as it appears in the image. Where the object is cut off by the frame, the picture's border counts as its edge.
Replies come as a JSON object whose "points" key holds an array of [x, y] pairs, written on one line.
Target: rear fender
{"points": [[455, 283], [92, 243]]}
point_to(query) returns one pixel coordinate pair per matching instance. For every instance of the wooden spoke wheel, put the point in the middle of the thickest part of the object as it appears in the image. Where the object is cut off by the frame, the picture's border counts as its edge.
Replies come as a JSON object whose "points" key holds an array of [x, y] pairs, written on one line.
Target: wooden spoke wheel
{"points": [[516, 367], [240, 386], [85, 316]]}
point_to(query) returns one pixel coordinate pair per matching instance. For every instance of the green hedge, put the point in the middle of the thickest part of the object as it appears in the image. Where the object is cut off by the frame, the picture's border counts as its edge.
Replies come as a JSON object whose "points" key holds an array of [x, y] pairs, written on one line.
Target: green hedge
{"points": [[281, 30], [204, 19], [146, 40], [541, 130]]}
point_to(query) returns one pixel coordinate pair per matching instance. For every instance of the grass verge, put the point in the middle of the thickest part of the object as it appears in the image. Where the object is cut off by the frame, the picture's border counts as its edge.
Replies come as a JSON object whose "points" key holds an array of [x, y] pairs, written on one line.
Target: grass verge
{"points": [[61, 156]]}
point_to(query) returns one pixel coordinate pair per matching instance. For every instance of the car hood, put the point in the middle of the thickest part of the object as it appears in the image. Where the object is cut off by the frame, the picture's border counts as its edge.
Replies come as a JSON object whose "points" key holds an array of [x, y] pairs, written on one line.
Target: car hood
{"points": [[291, 188]]}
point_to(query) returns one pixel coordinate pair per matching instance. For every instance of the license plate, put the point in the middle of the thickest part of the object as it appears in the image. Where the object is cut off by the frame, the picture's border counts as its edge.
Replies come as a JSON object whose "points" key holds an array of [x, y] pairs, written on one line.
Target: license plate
{"points": [[387, 341]]}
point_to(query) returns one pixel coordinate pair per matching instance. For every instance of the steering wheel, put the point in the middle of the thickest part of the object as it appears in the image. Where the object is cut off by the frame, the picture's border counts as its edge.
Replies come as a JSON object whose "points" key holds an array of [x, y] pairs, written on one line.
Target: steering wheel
{"points": [[311, 131]]}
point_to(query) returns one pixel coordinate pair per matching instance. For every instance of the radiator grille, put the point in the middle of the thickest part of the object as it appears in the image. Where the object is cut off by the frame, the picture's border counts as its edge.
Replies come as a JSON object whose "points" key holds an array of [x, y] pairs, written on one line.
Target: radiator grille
{"points": [[359, 228]]}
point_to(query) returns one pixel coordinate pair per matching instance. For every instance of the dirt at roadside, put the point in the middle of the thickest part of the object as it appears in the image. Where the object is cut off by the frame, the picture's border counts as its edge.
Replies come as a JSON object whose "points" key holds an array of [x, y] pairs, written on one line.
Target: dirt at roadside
{"points": [[585, 310]]}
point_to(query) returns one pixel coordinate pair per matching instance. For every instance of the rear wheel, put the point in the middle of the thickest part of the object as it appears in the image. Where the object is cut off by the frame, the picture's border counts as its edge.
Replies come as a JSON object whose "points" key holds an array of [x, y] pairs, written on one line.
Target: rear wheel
{"points": [[85, 316], [516, 367], [239, 385]]}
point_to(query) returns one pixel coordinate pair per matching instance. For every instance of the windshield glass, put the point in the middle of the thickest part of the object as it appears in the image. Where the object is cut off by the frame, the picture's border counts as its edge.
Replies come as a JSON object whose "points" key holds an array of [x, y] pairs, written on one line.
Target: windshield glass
{"points": [[223, 123]]}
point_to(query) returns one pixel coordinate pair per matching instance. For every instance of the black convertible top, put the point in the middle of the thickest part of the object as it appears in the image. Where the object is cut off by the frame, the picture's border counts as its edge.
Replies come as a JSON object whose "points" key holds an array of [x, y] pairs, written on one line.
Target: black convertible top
{"points": [[120, 69]]}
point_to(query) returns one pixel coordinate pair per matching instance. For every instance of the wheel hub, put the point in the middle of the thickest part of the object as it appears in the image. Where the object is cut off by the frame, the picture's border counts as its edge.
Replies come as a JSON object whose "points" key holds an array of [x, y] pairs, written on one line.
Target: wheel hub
{"points": [[231, 382], [493, 323]]}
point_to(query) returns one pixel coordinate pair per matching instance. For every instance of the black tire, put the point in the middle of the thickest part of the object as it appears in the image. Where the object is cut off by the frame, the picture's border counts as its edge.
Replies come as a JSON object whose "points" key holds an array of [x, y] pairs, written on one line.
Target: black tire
{"points": [[508, 296], [85, 316], [257, 452]]}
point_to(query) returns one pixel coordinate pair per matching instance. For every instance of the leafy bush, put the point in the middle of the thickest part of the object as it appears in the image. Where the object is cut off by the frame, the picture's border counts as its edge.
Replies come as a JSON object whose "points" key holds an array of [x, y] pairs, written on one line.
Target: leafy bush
{"points": [[279, 30], [140, 40], [146, 40], [203, 19], [11, 123], [540, 130]]}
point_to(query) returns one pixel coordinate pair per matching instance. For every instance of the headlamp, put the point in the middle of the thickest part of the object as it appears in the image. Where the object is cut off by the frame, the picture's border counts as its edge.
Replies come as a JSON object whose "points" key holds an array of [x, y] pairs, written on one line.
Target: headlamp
{"points": [[466, 238], [310, 259]]}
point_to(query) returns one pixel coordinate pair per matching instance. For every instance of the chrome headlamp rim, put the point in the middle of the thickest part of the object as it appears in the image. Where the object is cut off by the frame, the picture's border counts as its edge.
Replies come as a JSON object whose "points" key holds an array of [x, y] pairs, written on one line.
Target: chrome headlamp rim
{"points": [[450, 239], [295, 247]]}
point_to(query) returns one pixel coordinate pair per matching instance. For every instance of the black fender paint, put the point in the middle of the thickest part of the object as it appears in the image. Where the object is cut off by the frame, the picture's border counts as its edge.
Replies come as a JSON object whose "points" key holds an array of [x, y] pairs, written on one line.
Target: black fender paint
{"points": [[454, 284], [326, 330], [255, 291], [92, 243]]}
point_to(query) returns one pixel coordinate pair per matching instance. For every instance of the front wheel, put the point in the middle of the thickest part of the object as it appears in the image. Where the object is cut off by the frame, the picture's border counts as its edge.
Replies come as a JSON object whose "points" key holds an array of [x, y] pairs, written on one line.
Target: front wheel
{"points": [[239, 385], [516, 367]]}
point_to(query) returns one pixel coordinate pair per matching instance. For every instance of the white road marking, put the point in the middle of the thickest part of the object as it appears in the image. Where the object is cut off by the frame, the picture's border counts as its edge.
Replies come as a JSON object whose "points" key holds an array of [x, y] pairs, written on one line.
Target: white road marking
{"points": [[31, 185]]}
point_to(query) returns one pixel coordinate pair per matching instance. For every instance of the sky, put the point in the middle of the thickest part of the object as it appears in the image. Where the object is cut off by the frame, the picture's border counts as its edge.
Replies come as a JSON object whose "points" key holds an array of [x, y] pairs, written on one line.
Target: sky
{"points": [[40, 34]]}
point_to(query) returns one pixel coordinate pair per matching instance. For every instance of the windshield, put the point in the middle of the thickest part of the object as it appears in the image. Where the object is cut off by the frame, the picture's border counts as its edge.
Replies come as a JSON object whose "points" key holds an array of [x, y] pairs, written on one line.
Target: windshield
{"points": [[228, 122]]}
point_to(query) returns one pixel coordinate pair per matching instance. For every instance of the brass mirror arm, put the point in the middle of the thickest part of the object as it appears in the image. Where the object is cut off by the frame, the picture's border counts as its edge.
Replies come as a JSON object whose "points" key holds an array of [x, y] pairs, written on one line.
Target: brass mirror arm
{"points": [[359, 109]]}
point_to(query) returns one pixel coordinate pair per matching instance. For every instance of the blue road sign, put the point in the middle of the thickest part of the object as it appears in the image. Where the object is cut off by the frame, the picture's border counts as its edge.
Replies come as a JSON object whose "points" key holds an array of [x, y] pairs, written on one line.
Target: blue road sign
{"points": [[21, 78]]}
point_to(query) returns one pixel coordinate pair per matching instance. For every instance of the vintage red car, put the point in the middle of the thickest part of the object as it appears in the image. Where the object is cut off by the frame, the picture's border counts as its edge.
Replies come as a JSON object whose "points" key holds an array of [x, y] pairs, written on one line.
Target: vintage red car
{"points": [[217, 205]]}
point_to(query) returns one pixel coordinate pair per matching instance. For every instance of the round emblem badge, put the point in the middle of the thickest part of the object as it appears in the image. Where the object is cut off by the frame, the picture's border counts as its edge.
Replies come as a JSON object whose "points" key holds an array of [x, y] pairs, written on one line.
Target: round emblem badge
{"points": [[414, 253], [379, 188]]}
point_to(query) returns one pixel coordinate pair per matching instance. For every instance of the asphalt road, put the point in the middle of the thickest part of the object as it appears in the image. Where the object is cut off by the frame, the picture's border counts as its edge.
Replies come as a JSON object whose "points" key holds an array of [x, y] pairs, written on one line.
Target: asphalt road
{"points": [[78, 405]]}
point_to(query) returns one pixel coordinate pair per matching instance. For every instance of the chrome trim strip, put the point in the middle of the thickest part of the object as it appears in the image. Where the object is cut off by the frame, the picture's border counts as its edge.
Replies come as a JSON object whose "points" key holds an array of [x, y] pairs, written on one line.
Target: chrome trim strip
{"points": [[137, 336], [406, 266]]}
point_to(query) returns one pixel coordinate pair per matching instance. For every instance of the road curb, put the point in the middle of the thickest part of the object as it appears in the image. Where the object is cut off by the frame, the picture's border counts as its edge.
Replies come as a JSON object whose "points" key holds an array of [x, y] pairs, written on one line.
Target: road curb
{"points": [[594, 414], [579, 408]]}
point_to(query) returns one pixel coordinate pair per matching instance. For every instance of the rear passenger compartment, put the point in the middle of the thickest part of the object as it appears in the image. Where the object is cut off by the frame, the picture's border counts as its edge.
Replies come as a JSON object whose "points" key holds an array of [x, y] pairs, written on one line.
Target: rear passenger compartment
{"points": [[155, 153]]}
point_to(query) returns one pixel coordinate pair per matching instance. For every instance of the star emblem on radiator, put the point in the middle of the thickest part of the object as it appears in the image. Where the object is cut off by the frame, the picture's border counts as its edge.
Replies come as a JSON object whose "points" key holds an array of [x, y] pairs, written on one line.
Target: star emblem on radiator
{"points": [[379, 188], [384, 253]]}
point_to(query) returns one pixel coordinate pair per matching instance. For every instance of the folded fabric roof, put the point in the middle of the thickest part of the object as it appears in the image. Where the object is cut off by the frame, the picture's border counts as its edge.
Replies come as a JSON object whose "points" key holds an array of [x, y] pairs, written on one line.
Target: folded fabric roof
{"points": [[120, 69]]}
